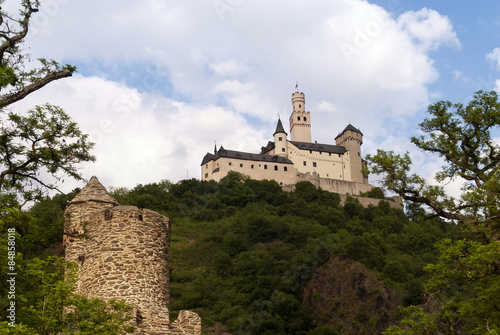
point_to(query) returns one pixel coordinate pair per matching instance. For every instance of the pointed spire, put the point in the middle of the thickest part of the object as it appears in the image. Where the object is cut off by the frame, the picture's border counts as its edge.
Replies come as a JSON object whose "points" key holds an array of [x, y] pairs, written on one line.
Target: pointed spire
{"points": [[351, 128], [279, 128], [94, 191]]}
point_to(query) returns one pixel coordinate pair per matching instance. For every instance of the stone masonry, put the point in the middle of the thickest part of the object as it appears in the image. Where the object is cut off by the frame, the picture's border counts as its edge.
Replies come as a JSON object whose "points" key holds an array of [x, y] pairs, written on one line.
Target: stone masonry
{"points": [[123, 252]]}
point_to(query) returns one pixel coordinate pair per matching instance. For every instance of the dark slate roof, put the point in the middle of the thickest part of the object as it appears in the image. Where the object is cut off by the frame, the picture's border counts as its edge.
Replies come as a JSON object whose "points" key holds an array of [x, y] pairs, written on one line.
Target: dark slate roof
{"points": [[270, 146], [246, 156], [279, 128], [208, 157], [351, 128], [334, 149]]}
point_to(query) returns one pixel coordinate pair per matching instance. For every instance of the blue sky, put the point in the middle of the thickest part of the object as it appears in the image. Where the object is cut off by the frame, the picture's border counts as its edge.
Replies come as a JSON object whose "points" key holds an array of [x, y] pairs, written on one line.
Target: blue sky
{"points": [[478, 28], [160, 81]]}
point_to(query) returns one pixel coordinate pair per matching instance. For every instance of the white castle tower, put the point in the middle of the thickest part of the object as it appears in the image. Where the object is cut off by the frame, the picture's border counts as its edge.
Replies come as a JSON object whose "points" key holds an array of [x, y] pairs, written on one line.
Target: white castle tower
{"points": [[300, 120]]}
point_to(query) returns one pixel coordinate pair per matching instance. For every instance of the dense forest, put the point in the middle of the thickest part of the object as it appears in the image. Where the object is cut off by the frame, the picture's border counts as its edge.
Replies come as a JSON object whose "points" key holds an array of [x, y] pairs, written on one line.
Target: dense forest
{"points": [[243, 252]]}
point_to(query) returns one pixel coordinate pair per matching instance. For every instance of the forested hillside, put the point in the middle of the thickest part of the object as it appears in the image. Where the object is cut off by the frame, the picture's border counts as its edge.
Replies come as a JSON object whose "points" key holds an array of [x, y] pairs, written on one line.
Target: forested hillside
{"points": [[243, 251]]}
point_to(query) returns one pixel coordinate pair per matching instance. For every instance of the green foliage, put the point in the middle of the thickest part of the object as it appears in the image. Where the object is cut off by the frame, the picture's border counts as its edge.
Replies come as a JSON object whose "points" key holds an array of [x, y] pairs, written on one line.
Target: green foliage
{"points": [[244, 264], [466, 277], [375, 192], [242, 249], [46, 303], [44, 140], [415, 322], [16, 82]]}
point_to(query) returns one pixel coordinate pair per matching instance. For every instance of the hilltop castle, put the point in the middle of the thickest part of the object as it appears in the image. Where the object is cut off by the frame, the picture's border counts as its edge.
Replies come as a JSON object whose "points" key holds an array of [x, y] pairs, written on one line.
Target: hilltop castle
{"points": [[122, 253], [335, 168]]}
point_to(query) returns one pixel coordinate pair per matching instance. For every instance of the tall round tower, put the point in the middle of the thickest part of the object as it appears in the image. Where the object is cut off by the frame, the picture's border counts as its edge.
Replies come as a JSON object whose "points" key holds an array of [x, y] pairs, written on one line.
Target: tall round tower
{"points": [[351, 138], [122, 253], [300, 120]]}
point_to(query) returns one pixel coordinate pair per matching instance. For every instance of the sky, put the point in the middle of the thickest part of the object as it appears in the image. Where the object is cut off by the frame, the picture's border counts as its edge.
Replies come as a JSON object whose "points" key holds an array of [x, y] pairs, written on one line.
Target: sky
{"points": [[159, 83]]}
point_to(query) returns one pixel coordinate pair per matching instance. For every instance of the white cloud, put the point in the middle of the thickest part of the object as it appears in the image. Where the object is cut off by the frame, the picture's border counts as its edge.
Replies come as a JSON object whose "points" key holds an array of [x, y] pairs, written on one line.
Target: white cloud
{"points": [[143, 138], [429, 28], [497, 86], [229, 78], [494, 58]]}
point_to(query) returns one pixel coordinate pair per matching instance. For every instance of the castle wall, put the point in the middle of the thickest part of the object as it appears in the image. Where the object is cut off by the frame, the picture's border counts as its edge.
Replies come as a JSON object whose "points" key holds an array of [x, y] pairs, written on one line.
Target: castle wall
{"points": [[352, 141], [328, 165], [333, 185], [259, 170], [344, 189], [122, 252], [127, 256], [394, 202]]}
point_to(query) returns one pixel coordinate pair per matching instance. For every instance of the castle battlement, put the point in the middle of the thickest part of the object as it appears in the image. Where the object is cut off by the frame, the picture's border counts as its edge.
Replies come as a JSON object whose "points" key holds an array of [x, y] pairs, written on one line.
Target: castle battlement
{"points": [[123, 253]]}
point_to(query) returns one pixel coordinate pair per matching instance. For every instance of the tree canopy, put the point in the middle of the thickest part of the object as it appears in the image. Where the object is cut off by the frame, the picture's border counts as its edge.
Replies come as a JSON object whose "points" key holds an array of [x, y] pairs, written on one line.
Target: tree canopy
{"points": [[45, 139], [38, 291], [466, 278]]}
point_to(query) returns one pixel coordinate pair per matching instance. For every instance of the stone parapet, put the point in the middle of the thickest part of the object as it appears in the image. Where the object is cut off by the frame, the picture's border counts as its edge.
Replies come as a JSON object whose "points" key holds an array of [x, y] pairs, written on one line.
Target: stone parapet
{"points": [[122, 253]]}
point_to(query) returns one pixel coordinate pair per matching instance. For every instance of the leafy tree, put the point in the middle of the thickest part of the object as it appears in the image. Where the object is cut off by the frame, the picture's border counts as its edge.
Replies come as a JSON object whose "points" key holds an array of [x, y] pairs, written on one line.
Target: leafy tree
{"points": [[44, 139], [54, 308], [15, 81], [467, 275]]}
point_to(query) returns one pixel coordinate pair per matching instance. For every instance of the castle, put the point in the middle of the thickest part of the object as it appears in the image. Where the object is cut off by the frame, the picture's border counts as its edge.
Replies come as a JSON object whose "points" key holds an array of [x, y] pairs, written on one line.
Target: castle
{"points": [[122, 253], [335, 168]]}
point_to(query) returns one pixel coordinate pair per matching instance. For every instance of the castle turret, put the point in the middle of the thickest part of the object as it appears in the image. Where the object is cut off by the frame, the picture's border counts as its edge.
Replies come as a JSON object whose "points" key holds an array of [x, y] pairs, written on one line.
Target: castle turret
{"points": [[351, 138], [280, 141], [122, 253], [300, 120]]}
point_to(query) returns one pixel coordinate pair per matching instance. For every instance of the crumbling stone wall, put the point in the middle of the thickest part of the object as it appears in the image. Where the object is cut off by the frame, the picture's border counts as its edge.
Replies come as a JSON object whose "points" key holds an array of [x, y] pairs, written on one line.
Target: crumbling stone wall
{"points": [[123, 253]]}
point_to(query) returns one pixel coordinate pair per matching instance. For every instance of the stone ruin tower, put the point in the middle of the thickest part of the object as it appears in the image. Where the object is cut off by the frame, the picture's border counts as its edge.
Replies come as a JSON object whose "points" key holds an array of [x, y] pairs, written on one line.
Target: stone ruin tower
{"points": [[123, 252]]}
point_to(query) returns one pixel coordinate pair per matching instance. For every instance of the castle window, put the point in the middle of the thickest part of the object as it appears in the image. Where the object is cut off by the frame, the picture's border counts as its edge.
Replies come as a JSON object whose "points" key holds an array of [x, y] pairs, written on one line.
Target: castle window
{"points": [[314, 164], [206, 166], [286, 169], [300, 105], [320, 152], [230, 163], [329, 154], [304, 163], [310, 151], [305, 119], [359, 154], [276, 167], [280, 138], [206, 175], [282, 149], [251, 166], [298, 118], [241, 165], [265, 166]]}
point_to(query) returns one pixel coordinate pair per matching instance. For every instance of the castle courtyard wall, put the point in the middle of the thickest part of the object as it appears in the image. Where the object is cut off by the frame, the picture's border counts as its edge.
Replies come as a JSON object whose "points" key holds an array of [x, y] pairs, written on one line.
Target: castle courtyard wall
{"points": [[259, 170]]}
